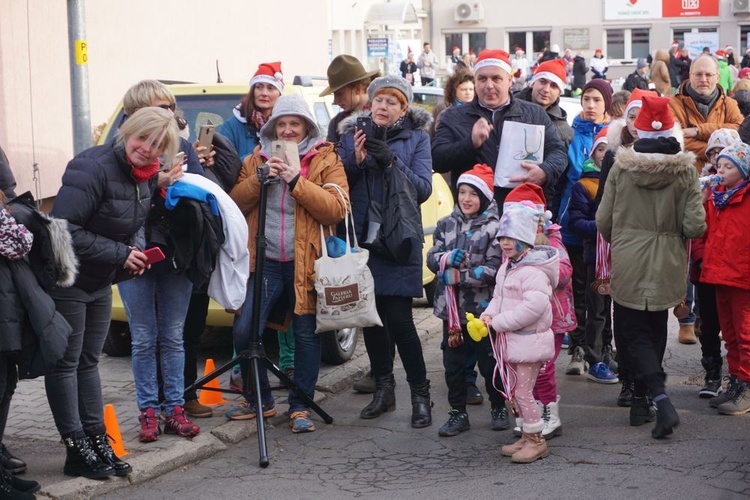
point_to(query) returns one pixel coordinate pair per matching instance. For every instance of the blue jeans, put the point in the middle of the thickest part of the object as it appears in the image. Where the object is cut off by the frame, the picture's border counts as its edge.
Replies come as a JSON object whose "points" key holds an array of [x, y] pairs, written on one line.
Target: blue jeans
{"points": [[690, 303], [156, 305], [278, 278]]}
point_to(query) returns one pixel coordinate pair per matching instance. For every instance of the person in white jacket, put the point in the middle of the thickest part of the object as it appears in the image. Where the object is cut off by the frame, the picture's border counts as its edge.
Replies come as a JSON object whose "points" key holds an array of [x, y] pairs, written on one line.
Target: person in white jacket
{"points": [[427, 64], [599, 64]]}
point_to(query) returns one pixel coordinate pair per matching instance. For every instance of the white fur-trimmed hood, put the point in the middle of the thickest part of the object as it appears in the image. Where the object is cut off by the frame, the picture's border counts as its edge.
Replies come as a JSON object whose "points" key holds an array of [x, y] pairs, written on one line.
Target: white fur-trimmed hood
{"points": [[654, 170]]}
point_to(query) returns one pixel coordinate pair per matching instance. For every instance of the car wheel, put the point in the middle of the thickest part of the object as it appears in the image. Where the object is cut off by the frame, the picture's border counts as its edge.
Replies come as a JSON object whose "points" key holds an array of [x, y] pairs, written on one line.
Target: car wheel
{"points": [[117, 343], [337, 347], [429, 292]]}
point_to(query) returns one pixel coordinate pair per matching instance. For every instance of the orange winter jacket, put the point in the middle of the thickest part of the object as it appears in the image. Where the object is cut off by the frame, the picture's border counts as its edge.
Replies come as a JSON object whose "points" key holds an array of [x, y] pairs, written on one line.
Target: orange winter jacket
{"points": [[315, 206], [724, 114]]}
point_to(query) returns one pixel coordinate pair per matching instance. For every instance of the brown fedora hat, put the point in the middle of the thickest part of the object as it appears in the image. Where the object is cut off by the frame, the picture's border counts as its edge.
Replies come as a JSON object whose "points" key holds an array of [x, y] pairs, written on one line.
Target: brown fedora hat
{"points": [[343, 70]]}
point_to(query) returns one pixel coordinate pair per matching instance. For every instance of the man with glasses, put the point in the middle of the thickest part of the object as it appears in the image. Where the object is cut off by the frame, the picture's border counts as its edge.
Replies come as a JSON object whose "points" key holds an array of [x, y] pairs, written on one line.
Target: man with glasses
{"points": [[702, 107]]}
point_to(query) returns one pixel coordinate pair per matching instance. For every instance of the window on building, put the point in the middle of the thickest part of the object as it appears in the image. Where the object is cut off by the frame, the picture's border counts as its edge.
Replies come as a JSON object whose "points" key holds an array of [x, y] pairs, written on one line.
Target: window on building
{"points": [[639, 42], [615, 44], [627, 43], [744, 35], [541, 41], [531, 42], [468, 42]]}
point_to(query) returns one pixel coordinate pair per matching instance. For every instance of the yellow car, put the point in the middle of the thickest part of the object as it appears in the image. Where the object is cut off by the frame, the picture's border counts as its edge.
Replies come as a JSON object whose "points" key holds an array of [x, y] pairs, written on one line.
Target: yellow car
{"points": [[214, 102]]}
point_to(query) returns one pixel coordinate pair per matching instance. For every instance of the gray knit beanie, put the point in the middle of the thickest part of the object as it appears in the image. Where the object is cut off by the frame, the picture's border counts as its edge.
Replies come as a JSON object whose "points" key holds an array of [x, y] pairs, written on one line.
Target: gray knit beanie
{"points": [[291, 104], [392, 82]]}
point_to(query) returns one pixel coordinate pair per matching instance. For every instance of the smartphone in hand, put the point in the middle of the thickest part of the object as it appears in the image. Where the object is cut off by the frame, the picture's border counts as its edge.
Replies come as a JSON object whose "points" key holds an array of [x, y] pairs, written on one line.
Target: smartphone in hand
{"points": [[154, 255], [178, 159], [206, 138], [364, 123]]}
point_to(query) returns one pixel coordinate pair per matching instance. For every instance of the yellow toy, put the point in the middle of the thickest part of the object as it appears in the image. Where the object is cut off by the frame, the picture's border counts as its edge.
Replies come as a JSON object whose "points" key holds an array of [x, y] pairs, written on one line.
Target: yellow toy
{"points": [[476, 327]]}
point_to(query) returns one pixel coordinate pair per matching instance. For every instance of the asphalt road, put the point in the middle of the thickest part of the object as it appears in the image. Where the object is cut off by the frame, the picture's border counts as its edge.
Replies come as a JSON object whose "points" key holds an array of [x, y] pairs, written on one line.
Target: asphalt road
{"points": [[598, 455]]}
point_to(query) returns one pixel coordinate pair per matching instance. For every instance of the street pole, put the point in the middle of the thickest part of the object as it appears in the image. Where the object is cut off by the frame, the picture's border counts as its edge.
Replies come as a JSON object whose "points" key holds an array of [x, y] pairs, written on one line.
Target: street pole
{"points": [[79, 76]]}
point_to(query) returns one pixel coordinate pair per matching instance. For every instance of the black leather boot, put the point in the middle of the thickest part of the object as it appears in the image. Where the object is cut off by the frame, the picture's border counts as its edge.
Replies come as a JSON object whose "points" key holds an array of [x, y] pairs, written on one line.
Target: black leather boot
{"points": [[12, 464], [666, 419], [82, 460], [421, 406], [8, 491], [384, 399], [100, 444], [641, 411]]}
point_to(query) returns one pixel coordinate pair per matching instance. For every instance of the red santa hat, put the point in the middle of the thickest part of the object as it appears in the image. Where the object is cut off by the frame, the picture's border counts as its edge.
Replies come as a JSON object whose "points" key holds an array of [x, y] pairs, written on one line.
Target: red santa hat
{"points": [[598, 51], [552, 70], [269, 73], [497, 58], [456, 48], [675, 44], [527, 192], [481, 178], [601, 138], [636, 100], [655, 119], [728, 48], [720, 54]]}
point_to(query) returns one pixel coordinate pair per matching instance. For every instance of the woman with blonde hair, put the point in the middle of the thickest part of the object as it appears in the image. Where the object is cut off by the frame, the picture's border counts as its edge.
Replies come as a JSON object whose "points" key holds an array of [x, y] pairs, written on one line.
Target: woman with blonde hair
{"points": [[105, 195]]}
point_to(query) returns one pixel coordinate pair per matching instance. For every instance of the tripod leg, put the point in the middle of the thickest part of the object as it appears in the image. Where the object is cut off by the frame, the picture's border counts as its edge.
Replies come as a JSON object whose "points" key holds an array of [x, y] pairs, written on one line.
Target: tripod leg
{"points": [[294, 387], [260, 419]]}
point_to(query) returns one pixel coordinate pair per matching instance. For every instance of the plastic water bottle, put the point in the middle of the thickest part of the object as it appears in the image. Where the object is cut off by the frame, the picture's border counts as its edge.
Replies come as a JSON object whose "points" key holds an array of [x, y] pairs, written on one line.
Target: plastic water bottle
{"points": [[708, 180]]}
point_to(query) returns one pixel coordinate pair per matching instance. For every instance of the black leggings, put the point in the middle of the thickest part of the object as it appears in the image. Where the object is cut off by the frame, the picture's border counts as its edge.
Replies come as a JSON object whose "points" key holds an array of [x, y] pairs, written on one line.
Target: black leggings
{"points": [[398, 328]]}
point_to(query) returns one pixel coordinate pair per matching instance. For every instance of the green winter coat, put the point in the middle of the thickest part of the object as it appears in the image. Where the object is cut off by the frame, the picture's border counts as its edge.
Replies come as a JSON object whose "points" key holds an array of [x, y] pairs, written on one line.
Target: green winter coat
{"points": [[651, 206], [725, 77]]}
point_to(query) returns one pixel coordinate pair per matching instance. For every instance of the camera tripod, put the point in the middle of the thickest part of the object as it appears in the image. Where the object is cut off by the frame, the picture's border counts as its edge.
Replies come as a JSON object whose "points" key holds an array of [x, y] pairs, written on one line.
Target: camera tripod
{"points": [[255, 353]]}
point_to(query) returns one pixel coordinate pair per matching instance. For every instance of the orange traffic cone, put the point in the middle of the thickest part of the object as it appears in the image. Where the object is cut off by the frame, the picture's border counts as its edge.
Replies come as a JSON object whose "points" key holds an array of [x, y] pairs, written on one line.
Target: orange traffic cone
{"points": [[211, 398], [113, 431]]}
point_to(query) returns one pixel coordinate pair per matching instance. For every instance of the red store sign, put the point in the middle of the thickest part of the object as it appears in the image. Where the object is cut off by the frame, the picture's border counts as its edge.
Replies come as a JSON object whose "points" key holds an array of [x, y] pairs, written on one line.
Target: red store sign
{"points": [[690, 8]]}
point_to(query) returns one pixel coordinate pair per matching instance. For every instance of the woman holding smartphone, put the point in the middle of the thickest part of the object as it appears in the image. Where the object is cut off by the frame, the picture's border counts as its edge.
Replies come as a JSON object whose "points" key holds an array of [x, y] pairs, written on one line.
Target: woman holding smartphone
{"points": [[399, 140], [105, 195], [299, 203], [156, 303]]}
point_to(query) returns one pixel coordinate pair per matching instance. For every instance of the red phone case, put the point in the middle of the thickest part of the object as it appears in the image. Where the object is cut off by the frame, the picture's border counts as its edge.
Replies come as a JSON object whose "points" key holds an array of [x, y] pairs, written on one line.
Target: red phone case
{"points": [[154, 255]]}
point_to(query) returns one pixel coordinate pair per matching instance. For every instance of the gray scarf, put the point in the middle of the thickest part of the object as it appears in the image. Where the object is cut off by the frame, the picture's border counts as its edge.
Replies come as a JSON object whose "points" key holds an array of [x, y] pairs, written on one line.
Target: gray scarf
{"points": [[702, 102]]}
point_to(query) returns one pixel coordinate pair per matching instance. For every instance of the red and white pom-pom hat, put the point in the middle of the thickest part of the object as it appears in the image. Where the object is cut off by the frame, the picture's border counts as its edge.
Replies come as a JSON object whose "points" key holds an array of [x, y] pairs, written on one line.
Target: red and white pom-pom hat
{"points": [[655, 118], [269, 73], [497, 58]]}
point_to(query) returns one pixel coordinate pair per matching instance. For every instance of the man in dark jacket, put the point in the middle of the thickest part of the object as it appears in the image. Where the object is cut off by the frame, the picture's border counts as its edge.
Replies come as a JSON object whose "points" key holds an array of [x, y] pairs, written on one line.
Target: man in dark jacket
{"points": [[676, 66], [546, 87], [7, 181], [638, 79], [470, 134]]}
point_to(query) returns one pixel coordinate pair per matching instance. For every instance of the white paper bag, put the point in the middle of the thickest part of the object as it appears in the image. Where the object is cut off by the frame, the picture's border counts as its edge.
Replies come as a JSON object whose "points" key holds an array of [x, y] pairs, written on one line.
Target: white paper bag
{"points": [[519, 142]]}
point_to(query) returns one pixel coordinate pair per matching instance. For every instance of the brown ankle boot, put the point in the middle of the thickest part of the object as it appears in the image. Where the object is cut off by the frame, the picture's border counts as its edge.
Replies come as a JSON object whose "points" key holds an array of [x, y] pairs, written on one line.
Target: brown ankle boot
{"points": [[686, 335], [509, 449], [533, 449]]}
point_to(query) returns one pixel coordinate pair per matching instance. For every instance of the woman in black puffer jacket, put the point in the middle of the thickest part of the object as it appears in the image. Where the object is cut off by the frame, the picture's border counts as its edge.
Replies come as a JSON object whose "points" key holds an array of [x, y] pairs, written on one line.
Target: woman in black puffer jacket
{"points": [[105, 195]]}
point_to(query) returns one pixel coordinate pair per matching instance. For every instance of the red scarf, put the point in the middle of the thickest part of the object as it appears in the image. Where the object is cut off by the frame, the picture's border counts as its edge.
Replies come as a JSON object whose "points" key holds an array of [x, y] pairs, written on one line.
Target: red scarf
{"points": [[257, 118], [144, 173]]}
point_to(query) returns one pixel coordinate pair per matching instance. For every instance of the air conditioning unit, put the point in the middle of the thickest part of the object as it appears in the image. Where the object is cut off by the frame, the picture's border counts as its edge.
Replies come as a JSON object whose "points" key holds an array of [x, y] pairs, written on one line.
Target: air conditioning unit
{"points": [[474, 12], [740, 7]]}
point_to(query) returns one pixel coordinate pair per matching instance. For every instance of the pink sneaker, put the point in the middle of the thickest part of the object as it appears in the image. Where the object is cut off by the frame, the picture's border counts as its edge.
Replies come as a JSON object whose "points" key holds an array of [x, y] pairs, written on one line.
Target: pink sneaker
{"points": [[178, 423]]}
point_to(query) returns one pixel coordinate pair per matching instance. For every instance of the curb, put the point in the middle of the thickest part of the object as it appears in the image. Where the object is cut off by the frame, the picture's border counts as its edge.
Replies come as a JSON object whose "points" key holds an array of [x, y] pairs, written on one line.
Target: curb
{"points": [[161, 460]]}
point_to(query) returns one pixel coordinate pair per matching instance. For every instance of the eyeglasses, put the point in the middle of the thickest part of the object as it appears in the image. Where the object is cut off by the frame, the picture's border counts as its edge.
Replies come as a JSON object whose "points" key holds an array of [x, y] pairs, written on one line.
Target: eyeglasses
{"points": [[170, 107], [710, 154], [701, 76]]}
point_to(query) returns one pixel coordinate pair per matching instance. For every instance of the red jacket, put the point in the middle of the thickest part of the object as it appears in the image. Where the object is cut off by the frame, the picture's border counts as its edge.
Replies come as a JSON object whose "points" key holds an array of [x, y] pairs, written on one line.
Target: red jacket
{"points": [[726, 258]]}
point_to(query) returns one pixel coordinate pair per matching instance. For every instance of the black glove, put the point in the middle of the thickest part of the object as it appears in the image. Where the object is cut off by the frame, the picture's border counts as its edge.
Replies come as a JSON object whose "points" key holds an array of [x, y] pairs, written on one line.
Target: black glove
{"points": [[379, 151]]}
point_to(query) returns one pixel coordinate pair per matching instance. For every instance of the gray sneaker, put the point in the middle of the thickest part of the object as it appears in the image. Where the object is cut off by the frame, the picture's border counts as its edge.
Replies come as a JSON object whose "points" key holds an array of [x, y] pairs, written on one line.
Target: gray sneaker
{"points": [[577, 365]]}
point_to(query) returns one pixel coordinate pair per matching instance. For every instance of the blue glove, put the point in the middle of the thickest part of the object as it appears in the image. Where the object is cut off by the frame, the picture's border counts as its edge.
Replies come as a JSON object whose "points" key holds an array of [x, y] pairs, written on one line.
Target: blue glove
{"points": [[449, 277], [457, 256]]}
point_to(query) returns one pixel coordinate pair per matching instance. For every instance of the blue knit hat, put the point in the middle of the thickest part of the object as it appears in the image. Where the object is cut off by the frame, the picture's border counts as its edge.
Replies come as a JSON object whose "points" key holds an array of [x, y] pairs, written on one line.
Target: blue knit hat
{"points": [[739, 155]]}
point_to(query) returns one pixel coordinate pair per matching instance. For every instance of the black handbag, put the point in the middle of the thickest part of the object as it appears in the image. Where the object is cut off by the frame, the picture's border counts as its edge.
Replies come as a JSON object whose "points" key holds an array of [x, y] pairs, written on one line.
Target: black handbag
{"points": [[393, 228]]}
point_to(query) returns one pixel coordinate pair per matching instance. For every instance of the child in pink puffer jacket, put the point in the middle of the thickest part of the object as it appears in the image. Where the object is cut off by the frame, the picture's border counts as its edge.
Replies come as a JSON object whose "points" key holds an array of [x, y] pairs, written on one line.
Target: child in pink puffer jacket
{"points": [[563, 312], [521, 313]]}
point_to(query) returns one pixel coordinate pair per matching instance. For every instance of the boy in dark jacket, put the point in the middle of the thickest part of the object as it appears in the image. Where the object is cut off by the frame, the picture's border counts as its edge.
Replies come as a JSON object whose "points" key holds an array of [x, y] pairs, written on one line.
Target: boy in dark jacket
{"points": [[582, 219]]}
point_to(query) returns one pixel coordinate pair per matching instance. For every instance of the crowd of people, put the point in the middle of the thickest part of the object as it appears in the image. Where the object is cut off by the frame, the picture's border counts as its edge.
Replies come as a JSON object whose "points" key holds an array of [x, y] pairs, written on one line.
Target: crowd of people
{"points": [[593, 239]]}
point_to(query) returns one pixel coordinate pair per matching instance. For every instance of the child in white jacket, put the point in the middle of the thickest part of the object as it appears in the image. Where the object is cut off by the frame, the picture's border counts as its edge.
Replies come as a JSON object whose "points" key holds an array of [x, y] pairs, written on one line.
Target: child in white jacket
{"points": [[521, 314]]}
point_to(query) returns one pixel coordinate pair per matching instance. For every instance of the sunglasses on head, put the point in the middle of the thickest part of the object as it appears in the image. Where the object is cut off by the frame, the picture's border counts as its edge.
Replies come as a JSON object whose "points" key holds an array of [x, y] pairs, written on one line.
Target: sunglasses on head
{"points": [[170, 107]]}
